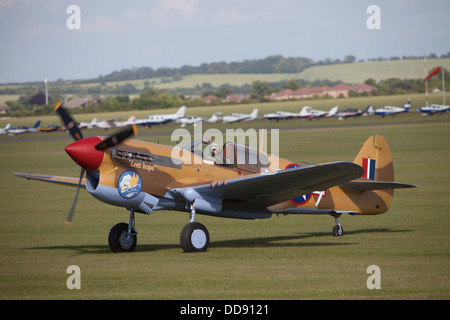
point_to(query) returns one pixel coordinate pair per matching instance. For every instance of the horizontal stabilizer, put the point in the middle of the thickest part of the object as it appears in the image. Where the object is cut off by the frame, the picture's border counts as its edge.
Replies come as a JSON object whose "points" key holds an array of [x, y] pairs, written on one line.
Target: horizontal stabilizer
{"points": [[364, 185]]}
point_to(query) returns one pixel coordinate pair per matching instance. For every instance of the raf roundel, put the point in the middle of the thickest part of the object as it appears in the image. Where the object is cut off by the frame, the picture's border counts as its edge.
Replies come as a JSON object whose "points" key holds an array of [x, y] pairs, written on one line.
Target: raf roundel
{"points": [[129, 185], [304, 198]]}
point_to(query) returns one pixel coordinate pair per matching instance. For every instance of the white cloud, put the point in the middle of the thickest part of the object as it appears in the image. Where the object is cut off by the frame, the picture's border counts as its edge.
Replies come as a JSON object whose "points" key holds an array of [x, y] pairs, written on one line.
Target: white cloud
{"points": [[188, 7]]}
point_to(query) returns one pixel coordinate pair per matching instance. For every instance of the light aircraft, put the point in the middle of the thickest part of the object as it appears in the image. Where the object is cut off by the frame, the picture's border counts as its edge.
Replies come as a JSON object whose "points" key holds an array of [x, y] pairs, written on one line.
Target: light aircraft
{"points": [[392, 111], [5, 129], [433, 109], [309, 113], [350, 113], [239, 182], [195, 119], [88, 125], [280, 115], [50, 128], [239, 117], [23, 129], [162, 118]]}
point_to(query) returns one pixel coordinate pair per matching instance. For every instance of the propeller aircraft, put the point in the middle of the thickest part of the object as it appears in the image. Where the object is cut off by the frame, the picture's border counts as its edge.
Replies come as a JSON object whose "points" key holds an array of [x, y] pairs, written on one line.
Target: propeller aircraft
{"points": [[309, 113], [392, 111], [235, 182], [240, 117]]}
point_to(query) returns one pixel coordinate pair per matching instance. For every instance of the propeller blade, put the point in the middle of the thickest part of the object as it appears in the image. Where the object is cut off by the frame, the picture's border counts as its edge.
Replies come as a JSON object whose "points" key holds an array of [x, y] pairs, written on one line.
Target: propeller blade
{"points": [[74, 201], [111, 141], [70, 124]]}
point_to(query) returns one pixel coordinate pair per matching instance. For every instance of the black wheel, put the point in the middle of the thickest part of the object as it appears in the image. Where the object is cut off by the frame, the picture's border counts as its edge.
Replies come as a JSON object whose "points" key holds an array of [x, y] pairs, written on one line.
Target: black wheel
{"points": [[338, 231], [120, 240], [194, 237]]}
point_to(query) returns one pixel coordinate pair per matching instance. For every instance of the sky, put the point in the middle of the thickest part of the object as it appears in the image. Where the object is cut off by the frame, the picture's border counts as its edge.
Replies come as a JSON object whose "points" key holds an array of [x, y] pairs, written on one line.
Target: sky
{"points": [[42, 39]]}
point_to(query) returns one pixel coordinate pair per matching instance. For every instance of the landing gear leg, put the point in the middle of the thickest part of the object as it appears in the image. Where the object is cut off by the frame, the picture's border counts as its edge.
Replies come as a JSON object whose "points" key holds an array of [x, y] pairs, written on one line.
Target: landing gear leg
{"points": [[337, 229], [194, 237], [123, 237]]}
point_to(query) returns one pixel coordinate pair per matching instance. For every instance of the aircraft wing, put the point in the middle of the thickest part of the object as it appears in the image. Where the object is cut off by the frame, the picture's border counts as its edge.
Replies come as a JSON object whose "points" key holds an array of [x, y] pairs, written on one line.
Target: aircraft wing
{"points": [[259, 191], [55, 179]]}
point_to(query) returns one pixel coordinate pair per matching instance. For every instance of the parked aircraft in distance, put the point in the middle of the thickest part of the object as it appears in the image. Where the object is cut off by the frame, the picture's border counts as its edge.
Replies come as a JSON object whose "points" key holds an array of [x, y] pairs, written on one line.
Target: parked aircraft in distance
{"points": [[433, 109], [88, 125], [309, 113], [5, 129], [239, 117], [392, 111], [195, 119], [162, 118], [19, 130], [281, 115], [349, 113]]}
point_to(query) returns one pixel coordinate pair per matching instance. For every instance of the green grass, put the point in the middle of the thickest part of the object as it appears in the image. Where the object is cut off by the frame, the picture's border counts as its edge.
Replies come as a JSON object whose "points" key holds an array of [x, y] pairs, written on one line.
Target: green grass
{"points": [[290, 257]]}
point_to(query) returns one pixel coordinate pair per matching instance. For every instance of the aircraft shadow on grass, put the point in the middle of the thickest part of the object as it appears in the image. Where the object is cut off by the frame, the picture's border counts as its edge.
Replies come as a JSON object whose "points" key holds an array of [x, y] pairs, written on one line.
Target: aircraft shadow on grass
{"points": [[263, 242]]}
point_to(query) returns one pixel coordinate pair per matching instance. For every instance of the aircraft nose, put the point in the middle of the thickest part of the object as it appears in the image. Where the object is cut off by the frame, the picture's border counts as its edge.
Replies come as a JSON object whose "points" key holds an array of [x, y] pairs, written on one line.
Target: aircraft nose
{"points": [[83, 152]]}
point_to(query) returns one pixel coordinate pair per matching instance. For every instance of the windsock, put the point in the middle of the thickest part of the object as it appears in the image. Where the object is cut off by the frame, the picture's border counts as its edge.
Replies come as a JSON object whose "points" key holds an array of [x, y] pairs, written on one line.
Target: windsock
{"points": [[432, 73]]}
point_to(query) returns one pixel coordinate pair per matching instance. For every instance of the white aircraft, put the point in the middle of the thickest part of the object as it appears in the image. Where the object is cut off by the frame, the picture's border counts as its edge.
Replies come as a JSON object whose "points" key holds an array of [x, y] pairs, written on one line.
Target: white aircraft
{"points": [[19, 130], [162, 118], [309, 113], [434, 108], [195, 119], [281, 115], [349, 113], [88, 125], [392, 111], [5, 129], [235, 117]]}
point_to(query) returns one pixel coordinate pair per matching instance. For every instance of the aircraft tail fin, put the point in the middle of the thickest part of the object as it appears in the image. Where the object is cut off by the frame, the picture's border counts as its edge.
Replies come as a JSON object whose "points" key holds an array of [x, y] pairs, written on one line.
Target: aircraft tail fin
{"points": [[254, 113], [180, 113], [36, 125], [407, 105], [376, 159]]}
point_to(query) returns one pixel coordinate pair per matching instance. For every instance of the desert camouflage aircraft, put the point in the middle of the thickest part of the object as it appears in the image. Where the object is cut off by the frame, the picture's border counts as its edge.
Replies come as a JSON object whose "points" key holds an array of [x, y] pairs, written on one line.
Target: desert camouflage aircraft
{"points": [[231, 181]]}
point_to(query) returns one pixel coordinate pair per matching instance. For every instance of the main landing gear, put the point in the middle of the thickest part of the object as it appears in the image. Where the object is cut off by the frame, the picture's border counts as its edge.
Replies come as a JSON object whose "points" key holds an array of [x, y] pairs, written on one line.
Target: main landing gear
{"points": [[193, 238], [123, 237]]}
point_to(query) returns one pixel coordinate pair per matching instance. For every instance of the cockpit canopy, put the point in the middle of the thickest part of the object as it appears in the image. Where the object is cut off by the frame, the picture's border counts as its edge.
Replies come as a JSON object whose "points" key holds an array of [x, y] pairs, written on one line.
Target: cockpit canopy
{"points": [[230, 155]]}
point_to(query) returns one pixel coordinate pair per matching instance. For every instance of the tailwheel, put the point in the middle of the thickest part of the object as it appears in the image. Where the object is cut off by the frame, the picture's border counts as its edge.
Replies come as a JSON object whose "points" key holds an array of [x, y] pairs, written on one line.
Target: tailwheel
{"points": [[194, 237], [122, 239]]}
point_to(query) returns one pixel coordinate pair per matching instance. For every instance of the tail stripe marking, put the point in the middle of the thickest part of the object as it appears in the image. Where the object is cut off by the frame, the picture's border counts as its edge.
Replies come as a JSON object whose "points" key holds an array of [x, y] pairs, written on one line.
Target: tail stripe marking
{"points": [[369, 168]]}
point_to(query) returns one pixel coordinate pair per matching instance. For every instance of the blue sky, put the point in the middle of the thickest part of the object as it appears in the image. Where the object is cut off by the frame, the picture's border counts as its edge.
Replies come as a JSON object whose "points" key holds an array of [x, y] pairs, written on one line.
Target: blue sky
{"points": [[35, 42]]}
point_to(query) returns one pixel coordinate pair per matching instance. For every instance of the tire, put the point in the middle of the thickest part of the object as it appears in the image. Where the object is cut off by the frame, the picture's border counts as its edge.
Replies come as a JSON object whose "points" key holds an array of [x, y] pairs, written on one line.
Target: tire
{"points": [[119, 240], [338, 231], [194, 237]]}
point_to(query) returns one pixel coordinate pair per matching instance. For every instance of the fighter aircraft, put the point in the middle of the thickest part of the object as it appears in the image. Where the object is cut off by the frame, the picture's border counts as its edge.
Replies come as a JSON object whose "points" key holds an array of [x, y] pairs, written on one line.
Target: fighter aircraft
{"points": [[350, 113], [24, 129], [309, 113], [433, 109], [5, 129], [235, 182], [162, 118], [392, 111], [240, 117]]}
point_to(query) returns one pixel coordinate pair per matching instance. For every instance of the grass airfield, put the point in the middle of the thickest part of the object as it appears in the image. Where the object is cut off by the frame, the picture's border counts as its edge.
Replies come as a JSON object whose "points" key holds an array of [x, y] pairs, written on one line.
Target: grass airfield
{"points": [[289, 257]]}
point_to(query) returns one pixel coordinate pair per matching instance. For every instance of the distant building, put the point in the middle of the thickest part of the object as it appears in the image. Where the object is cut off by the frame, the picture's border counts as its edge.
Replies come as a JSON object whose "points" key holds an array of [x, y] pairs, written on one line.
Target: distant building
{"points": [[81, 102], [339, 90], [210, 98], [235, 98], [4, 108]]}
